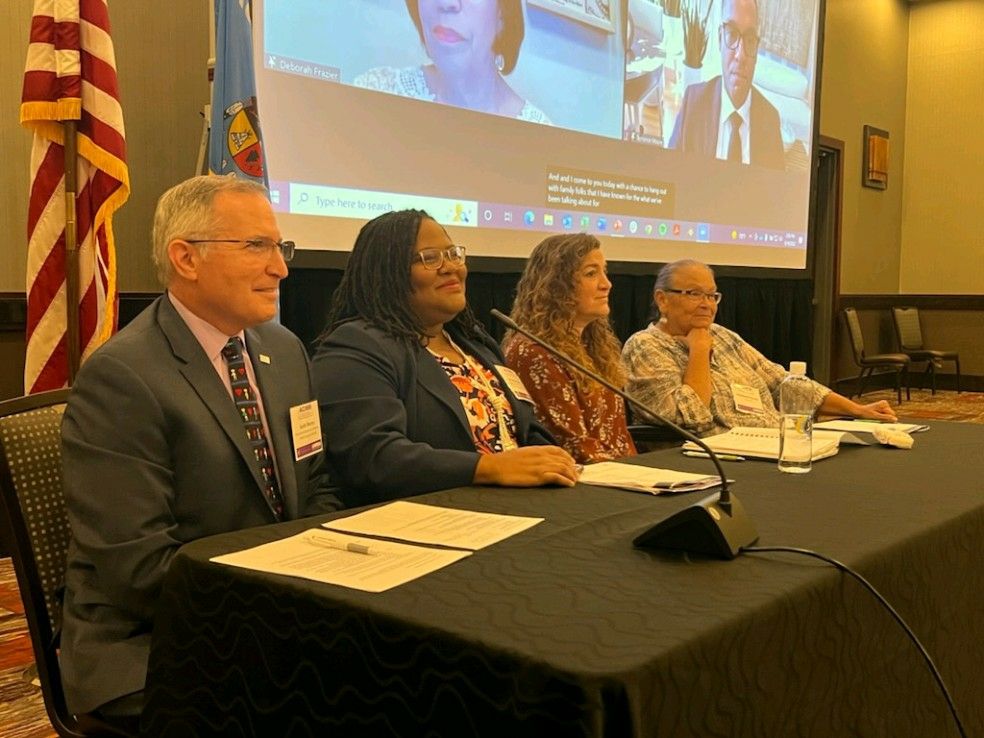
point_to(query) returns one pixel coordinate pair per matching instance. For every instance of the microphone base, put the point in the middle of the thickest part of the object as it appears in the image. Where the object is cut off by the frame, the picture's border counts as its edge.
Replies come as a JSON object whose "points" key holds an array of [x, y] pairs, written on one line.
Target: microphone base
{"points": [[704, 528]]}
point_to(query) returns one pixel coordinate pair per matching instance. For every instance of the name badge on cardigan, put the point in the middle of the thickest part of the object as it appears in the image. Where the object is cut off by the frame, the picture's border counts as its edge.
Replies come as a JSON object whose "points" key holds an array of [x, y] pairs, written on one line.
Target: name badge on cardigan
{"points": [[747, 399]]}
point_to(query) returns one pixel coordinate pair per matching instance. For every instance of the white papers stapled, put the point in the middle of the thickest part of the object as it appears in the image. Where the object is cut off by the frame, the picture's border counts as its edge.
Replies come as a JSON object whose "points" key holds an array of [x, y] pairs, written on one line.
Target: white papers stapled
{"points": [[345, 555], [646, 479], [440, 526]]}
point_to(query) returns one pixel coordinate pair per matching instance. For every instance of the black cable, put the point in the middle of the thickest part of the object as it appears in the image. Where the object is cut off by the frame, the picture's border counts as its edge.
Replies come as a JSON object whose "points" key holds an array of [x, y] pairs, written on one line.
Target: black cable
{"points": [[898, 618]]}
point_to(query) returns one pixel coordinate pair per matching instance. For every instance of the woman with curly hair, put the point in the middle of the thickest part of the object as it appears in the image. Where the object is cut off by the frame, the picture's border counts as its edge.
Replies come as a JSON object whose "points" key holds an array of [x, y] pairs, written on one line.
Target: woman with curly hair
{"points": [[563, 298]]}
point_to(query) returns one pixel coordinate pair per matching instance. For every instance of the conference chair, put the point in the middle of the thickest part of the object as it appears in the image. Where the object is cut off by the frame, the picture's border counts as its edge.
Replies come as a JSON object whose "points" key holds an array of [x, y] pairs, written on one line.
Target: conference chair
{"points": [[899, 363], [909, 332], [37, 530], [649, 436]]}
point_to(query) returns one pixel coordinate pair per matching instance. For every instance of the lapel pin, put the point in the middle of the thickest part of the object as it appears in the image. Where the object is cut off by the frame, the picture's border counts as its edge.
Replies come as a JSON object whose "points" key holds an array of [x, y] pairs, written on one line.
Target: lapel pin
{"points": [[264, 359]]}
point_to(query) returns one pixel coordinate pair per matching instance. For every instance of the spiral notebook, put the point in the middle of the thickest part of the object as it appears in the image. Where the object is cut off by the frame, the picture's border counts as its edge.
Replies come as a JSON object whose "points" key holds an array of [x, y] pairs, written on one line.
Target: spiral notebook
{"points": [[763, 443]]}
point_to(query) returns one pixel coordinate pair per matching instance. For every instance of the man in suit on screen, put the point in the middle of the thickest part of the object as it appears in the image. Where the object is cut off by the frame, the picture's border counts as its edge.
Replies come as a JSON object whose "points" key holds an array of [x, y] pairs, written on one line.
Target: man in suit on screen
{"points": [[181, 426], [726, 117]]}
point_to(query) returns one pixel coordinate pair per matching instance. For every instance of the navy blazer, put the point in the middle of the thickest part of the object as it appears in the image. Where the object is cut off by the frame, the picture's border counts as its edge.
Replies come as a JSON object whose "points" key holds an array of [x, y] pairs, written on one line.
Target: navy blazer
{"points": [[696, 128], [393, 422]]}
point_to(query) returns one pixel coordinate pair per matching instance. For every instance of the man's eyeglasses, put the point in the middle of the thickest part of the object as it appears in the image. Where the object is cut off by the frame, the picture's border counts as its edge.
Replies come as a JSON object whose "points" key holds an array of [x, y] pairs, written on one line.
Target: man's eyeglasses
{"points": [[435, 258], [732, 37], [697, 295], [254, 246]]}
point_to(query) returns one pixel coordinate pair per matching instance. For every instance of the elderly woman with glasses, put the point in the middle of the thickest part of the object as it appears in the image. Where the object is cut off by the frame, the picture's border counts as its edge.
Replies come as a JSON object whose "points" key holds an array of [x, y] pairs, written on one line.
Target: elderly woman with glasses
{"points": [[703, 376], [414, 395]]}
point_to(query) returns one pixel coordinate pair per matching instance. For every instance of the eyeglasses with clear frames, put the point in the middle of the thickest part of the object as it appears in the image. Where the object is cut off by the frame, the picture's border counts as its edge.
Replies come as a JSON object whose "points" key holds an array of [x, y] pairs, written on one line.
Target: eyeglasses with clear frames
{"points": [[697, 295], [255, 246], [434, 258], [732, 37]]}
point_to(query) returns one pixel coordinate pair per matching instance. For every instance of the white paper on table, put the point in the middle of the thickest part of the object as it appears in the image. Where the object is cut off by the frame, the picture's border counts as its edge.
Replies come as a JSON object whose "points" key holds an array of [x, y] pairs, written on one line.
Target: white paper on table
{"points": [[868, 426], [348, 561], [442, 526], [647, 479]]}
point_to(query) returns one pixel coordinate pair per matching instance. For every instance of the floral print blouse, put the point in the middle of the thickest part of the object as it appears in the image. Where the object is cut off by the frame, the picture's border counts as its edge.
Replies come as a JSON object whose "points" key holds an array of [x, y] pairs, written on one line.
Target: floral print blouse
{"points": [[483, 419], [589, 426]]}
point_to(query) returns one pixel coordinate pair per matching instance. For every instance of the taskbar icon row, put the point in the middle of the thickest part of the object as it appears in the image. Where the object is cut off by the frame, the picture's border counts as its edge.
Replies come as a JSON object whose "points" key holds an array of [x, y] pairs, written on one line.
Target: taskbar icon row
{"points": [[537, 219]]}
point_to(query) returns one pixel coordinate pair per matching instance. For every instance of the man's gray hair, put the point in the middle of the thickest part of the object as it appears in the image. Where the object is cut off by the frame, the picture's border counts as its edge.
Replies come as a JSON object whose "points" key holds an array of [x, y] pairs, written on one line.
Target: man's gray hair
{"points": [[185, 211]]}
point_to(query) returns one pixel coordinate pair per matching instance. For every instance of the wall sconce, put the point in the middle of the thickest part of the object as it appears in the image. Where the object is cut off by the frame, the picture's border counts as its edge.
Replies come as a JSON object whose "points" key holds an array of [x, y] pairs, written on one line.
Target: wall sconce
{"points": [[874, 163]]}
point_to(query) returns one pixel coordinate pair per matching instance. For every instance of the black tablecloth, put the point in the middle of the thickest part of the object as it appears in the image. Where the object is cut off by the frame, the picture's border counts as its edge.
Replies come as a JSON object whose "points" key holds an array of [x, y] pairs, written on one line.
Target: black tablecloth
{"points": [[567, 630]]}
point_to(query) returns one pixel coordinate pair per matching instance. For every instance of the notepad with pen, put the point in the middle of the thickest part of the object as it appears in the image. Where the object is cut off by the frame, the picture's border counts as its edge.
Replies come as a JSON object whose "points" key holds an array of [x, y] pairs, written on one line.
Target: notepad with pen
{"points": [[762, 443]]}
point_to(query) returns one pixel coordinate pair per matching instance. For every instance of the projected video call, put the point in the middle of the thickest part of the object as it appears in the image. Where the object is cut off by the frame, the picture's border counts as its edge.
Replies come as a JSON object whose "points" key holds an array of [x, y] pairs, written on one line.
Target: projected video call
{"points": [[670, 121]]}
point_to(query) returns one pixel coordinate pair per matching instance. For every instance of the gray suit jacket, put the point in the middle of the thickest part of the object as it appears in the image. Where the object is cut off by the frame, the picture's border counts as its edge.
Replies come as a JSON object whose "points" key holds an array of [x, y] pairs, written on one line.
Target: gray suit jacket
{"points": [[155, 455], [696, 128]]}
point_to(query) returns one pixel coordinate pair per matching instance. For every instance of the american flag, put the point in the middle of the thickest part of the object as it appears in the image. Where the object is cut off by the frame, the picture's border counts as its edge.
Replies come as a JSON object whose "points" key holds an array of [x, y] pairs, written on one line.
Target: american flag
{"points": [[71, 75]]}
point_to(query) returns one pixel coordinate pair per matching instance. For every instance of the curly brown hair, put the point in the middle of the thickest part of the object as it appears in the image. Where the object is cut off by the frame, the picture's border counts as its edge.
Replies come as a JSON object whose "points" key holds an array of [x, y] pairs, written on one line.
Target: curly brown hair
{"points": [[545, 305]]}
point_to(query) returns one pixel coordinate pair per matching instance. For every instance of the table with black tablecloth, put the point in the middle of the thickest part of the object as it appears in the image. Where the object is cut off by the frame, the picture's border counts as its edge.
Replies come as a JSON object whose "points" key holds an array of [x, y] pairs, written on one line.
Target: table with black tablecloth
{"points": [[567, 630]]}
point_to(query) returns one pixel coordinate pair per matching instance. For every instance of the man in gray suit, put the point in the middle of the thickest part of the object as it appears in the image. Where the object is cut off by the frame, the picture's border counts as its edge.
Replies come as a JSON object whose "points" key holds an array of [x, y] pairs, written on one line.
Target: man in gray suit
{"points": [[740, 126], [181, 426]]}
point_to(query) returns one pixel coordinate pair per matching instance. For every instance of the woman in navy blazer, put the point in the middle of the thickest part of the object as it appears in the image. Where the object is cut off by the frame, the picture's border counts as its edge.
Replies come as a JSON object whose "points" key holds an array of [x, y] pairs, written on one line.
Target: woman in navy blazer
{"points": [[414, 395]]}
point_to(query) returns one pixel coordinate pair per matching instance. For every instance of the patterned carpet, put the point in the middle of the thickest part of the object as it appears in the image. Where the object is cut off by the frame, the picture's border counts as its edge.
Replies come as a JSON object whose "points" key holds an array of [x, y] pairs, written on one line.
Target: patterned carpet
{"points": [[22, 712], [966, 407]]}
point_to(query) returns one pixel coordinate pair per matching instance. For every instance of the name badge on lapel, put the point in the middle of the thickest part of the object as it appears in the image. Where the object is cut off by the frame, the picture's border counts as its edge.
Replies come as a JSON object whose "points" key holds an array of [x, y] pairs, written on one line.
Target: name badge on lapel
{"points": [[305, 429], [514, 383]]}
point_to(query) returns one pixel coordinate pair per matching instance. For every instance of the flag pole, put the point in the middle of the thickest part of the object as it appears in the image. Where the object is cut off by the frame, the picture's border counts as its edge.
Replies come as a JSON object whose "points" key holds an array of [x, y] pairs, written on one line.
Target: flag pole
{"points": [[72, 306]]}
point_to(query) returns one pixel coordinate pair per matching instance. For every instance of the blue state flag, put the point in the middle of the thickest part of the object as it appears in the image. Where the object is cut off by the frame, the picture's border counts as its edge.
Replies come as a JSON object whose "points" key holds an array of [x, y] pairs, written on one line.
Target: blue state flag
{"points": [[235, 144]]}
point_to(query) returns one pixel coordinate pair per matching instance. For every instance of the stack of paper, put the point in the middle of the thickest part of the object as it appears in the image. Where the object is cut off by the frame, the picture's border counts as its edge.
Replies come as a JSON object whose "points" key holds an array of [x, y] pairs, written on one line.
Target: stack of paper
{"points": [[862, 432], [646, 479], [375, 564], [762, 443]]}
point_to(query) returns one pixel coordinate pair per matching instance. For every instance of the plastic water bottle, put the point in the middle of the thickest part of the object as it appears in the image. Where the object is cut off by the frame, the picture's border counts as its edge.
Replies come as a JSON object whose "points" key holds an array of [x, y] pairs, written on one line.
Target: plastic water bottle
{"points": [[796, 428]]}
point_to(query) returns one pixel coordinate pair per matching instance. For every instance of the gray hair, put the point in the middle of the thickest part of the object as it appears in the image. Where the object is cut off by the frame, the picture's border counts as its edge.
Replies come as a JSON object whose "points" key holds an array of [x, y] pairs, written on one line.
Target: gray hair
{"points": [[665, 274], [185, 211]]}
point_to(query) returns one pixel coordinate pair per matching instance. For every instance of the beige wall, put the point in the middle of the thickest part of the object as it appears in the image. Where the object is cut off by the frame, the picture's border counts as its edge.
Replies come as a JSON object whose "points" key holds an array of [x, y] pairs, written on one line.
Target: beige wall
{"points": [[864, 82], [943, 200], [161, 58]]}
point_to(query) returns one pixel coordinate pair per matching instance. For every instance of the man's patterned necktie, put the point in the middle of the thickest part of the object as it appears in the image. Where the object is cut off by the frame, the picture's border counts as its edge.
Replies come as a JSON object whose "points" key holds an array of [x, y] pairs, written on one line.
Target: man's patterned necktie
{"points": [[249, 411]]}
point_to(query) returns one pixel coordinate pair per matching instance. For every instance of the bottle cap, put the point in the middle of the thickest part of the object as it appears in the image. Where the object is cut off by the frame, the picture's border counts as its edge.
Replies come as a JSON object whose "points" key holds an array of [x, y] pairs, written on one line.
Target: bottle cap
{"points": [[797, 367]]}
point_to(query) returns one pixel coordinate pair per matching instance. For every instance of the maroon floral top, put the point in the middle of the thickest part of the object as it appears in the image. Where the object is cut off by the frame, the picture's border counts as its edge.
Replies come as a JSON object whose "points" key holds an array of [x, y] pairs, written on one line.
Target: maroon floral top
{"points": [[589, 426]]}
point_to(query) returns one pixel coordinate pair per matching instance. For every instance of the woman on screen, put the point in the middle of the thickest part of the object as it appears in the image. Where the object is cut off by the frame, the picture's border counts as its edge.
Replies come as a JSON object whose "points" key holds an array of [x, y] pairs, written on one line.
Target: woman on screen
{"points": [[414, 395], [471, 45], [563, 298], [703, 376]]}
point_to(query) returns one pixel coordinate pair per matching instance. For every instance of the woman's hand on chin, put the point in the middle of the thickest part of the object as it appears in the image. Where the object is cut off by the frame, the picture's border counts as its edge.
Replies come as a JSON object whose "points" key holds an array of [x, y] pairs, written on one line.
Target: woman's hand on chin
{"points": [[699, 340]]}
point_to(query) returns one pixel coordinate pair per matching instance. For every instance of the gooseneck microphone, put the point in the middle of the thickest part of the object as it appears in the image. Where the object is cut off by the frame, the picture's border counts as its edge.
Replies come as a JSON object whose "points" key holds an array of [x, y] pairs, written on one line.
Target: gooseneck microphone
{"points": [[717, 525]]}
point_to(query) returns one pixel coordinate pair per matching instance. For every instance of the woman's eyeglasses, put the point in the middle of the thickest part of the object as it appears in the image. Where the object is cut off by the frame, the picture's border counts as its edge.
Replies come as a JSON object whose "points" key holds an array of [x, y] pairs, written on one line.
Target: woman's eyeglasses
{"points": [[435, 258], [697, 295]]}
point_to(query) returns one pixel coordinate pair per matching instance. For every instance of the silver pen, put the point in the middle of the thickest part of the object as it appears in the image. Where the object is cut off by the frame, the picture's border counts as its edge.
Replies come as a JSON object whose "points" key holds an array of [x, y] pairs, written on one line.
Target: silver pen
{"points": [[352, 547], [704, 455]]}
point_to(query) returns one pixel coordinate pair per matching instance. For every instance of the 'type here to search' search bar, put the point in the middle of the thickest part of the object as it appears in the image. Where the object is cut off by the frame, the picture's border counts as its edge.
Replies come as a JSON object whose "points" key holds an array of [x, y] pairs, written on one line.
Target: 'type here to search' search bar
{"points": [[342, 202]]}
